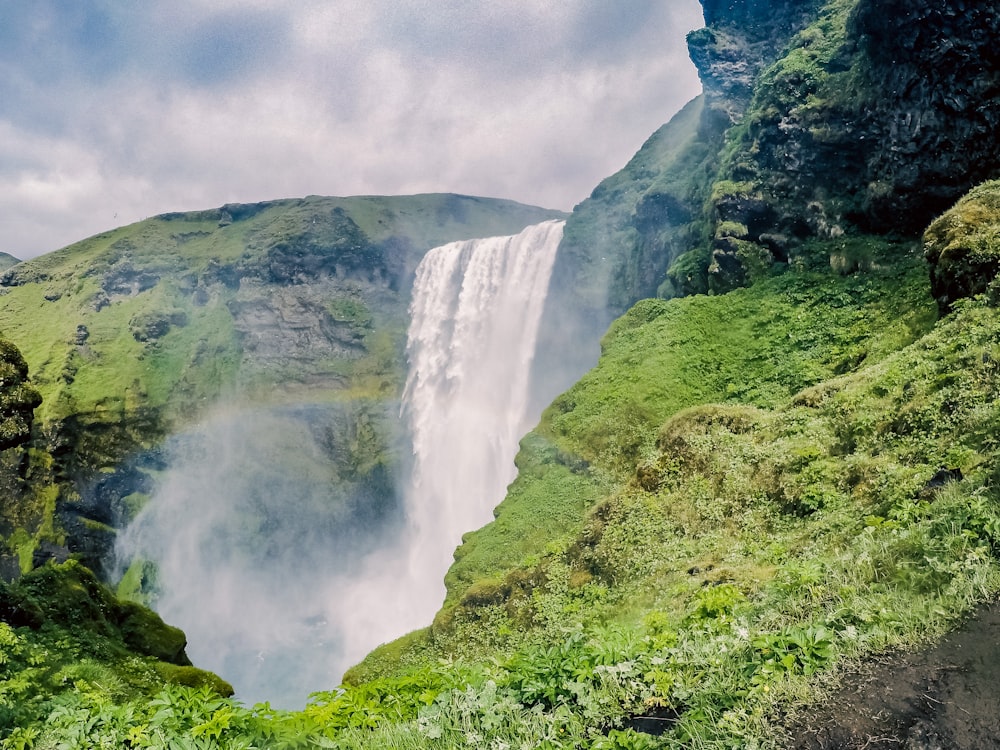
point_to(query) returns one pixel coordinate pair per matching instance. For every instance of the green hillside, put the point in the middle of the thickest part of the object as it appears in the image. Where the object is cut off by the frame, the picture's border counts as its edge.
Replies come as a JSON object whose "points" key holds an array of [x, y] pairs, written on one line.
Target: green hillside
{"points": [[782, 468], [148, 308], [132, 334]]}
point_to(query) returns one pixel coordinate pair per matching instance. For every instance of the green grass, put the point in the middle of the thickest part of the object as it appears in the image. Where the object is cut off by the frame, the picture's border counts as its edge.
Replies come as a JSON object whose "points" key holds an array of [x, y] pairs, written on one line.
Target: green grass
{"points": [[755, 346], [755, 549], [69, 639], [719, 554]]}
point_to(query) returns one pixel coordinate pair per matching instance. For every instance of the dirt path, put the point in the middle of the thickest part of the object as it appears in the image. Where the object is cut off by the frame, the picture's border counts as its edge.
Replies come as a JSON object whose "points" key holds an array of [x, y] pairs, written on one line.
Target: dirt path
{"points": [[946, 698]]}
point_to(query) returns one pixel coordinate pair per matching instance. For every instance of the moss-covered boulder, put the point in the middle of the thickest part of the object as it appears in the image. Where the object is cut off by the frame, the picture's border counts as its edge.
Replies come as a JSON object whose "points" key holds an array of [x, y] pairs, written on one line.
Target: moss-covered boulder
{"points": [[66, 604], [70, 597], [963, 246], [18, 398]]}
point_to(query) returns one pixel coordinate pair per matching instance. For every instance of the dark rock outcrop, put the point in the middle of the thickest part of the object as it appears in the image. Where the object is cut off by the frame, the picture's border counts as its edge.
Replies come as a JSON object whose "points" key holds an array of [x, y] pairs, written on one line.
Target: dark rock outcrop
{"points": [[278, 324], [621, 241], [326, 244], [877, 119], [963, 246], [933, 69], [739, 40], [18, 398]]}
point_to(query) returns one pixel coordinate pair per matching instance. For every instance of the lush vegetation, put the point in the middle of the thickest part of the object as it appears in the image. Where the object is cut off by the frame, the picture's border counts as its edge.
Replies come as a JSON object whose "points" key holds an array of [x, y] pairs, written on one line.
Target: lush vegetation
{"points": [[755, 346], [64, 636], [18, 398], [750, 493], [763, 538], [133, 334]]}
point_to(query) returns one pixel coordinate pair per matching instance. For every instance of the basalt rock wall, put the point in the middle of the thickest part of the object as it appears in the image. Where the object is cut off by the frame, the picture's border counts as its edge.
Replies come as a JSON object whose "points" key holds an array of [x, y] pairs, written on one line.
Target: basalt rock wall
{"points": [[878, 117]]}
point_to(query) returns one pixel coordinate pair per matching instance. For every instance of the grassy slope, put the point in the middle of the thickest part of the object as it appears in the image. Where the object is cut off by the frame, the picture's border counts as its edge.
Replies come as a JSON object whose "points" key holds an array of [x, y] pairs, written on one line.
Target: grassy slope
{"points": [[766, 540], [755, 346], [69, 636], [756, 546]]}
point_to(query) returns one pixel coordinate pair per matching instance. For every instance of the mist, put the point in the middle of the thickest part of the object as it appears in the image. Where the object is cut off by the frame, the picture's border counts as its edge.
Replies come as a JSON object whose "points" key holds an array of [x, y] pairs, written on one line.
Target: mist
{"points": [[286, 556], [258, 538]]}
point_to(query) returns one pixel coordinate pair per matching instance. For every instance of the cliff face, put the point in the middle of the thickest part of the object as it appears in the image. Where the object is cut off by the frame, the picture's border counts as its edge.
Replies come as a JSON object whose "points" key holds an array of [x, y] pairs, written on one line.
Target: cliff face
{"points": [[819, 120], [877, 118], [134, 334], [934, 71], [621, 241], [738, 41]]}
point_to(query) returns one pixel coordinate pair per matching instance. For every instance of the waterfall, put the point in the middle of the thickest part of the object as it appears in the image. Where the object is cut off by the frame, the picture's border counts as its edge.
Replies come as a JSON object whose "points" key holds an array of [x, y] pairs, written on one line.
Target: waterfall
{"points": [[278, 590], [473, 326]]}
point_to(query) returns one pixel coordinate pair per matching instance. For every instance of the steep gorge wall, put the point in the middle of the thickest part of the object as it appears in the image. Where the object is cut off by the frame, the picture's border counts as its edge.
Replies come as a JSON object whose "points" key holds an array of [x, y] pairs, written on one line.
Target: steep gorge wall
{"points": [[139, 332], [879, 117], [934, 70], [621, 241], [818, 120]]}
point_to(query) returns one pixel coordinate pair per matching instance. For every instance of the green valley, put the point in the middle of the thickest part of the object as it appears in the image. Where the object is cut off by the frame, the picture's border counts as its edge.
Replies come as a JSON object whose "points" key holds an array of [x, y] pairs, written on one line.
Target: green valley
{"points": [[781, 465]]}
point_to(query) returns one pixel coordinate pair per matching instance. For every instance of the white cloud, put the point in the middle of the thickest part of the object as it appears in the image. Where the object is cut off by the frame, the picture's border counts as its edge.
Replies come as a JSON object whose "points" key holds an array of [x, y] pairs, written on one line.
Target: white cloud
{"points": [[536, 102]]}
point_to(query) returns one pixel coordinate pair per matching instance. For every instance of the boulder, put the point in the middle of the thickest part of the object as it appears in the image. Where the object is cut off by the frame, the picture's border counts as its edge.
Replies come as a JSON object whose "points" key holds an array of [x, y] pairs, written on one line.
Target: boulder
{"points": [[963, 246]]}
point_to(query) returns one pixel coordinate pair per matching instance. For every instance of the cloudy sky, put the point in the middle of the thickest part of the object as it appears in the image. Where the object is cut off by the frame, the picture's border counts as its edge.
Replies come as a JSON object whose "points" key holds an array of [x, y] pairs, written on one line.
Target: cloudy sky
{"points": [[112, 111]]}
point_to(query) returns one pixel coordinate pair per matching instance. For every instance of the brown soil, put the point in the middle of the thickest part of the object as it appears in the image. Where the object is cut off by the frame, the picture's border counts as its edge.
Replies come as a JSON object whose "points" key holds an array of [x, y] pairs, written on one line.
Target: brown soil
{"points": [[945, 698]]}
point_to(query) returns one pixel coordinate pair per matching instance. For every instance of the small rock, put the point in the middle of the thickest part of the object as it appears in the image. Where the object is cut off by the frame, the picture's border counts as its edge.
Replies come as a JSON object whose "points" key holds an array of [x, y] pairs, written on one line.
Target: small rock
{"points": [[941, 477]]}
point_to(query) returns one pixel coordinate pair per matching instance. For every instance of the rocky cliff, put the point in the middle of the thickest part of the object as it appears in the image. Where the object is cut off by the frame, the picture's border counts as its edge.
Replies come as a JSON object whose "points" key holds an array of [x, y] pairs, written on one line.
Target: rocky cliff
{"points": [[818, 119], [621, 241], [134, 334], [879, 117]]}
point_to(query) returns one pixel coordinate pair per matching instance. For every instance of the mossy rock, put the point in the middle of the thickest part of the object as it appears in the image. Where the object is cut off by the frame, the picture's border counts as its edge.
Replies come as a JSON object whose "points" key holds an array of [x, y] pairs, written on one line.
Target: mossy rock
{"points": [[144, 631], [18, 398], [735, 418], [68, 595], [149, 326], [18, 612], [963, 246], [485, 592], [193, 677]]}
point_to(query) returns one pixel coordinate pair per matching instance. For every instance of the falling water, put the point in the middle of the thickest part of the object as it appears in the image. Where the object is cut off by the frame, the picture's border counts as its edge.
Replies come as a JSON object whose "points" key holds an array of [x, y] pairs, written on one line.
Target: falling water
{"points": [[474, 320], [473, 326], [281, 580]]}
